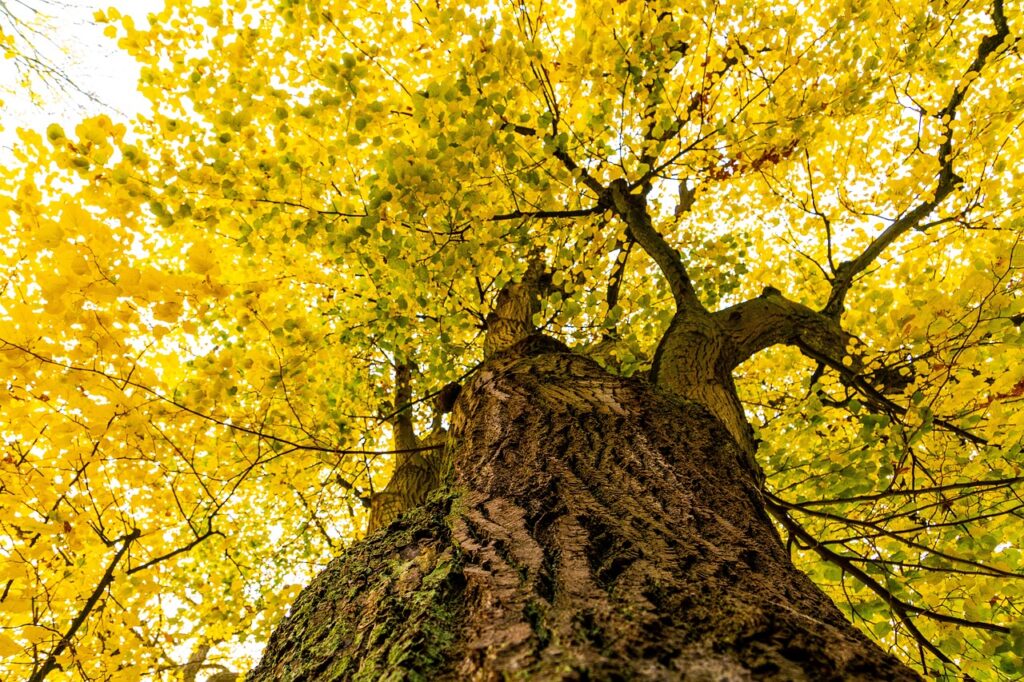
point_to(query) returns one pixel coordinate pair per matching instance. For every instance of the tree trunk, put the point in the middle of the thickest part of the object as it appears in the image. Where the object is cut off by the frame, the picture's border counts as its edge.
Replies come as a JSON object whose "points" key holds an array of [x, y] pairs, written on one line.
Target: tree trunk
{"points": [[596, 528]]}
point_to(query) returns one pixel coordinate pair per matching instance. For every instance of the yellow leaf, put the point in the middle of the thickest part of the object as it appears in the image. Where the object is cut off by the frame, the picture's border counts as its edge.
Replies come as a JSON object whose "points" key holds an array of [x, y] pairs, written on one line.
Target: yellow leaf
{"points": [[37, 634], [8, 647], [16, 605], [201, 258], [49, 233], [167, 311]]}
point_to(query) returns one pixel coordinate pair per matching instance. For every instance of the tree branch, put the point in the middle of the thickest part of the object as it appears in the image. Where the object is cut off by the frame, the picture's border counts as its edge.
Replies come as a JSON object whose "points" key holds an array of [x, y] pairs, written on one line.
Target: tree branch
{"points": [[174, 552], [632, 208], [50, 664], [585, 177], [772, 319], [573, 213], [511, 319], [295, 204], [122, 383], [880, 531], [405, 434], [618, 272], [913, 492], [852, 377], [900, 608], [948, 180]]}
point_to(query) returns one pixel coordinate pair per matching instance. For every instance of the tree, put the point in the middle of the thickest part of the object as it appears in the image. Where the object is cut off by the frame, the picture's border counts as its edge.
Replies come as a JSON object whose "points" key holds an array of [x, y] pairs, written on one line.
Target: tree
{"points": [[773, 253]]}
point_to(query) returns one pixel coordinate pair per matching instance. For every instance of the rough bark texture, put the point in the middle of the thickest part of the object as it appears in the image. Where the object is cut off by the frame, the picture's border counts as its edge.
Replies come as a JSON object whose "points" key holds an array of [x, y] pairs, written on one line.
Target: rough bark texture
{"points": [[694, 361], [418, 469], [595, 529], [696, 357]]}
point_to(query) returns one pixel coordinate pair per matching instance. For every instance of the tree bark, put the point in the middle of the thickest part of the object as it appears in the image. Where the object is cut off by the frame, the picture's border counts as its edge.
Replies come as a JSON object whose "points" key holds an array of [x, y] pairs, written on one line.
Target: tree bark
{"points": [[596, 528]]}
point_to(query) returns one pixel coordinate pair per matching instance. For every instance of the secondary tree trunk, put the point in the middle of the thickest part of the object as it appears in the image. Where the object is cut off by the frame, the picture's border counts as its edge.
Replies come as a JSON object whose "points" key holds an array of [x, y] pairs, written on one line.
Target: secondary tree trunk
{"points": [[596, 529]]}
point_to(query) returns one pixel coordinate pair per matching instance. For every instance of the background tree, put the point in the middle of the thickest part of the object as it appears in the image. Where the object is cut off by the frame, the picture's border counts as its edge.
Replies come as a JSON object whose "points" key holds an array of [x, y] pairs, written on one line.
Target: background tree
{"points": [[204, 310]]}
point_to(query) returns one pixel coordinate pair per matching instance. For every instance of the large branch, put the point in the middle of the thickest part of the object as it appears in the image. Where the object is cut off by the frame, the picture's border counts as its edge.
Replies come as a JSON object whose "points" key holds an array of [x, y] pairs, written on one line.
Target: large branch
{"points": [[511, 320], [771, 319], [948, 180], [632, 208], [405, 435]]}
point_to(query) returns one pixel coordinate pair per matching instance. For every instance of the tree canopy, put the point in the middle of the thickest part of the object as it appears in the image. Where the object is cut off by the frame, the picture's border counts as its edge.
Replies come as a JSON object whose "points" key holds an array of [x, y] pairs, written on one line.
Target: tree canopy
{"points": [[202, 309]]}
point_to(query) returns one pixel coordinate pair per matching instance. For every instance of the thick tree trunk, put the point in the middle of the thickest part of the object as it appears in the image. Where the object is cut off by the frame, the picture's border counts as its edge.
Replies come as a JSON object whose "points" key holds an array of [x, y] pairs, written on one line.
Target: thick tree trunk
{"points": [[596, 529]]}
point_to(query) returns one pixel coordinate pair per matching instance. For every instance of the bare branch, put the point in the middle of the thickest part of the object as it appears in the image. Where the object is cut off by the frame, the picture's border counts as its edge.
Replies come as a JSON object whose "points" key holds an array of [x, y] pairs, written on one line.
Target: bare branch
{"points": [[585, 177], [912, 492], [174, 552], [576, 213], [295, 204]]}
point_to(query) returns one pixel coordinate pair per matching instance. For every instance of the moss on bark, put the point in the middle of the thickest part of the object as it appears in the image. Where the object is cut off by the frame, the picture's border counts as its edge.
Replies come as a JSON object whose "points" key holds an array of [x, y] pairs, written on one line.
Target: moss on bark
{"points": [[386, 609], [603, 530]]}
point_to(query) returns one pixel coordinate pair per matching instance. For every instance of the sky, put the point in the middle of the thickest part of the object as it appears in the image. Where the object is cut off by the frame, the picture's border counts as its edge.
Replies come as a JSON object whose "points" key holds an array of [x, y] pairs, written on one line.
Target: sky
{"points": [[104, 78]]}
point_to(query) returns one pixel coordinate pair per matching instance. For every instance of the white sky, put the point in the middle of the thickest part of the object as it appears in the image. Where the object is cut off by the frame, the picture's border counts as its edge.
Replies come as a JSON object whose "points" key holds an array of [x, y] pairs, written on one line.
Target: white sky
{"points": [[67, 37]]}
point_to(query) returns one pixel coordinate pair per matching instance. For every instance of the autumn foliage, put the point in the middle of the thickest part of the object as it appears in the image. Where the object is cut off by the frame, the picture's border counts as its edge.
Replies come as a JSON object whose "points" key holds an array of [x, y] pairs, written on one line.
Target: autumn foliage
{"points": [[201, 309]]}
